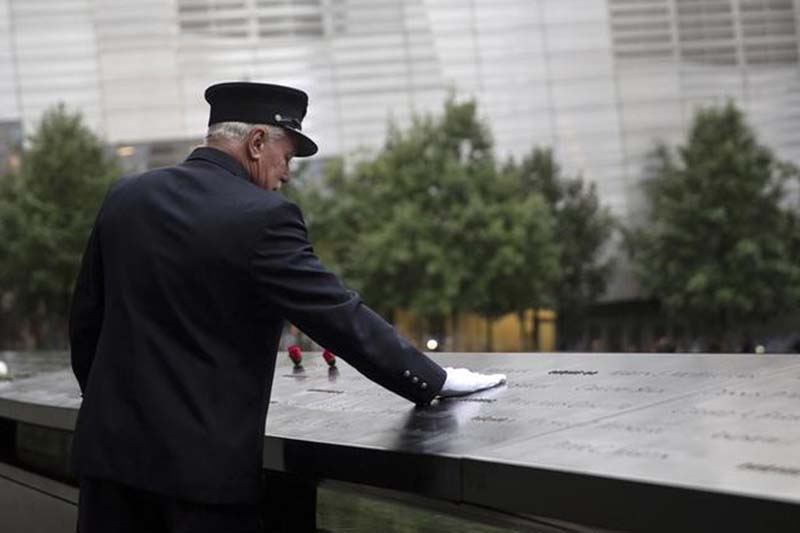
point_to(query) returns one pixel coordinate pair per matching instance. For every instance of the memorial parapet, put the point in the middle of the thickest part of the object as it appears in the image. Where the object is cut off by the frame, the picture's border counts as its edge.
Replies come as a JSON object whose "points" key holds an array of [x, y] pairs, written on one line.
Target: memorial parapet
{"points": [[637, 442]]}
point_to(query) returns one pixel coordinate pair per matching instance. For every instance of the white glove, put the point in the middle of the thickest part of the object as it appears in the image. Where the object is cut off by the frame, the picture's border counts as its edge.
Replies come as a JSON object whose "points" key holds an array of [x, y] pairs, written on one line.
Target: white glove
{"points": [[461, 381]]}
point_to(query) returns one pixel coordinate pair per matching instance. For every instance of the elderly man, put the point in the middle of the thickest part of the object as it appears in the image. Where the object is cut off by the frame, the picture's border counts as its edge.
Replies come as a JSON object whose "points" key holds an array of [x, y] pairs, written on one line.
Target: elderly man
{"points": [[188, 276]]}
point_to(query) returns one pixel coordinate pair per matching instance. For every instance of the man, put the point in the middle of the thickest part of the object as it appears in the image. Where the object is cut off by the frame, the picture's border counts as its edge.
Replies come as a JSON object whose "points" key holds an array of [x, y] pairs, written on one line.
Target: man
{"points": [[188, 276]]}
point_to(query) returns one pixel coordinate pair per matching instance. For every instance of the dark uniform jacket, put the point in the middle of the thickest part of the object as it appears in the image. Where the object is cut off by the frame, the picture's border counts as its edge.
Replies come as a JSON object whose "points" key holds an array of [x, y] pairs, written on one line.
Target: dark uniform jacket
{"points": [[189, 274]]}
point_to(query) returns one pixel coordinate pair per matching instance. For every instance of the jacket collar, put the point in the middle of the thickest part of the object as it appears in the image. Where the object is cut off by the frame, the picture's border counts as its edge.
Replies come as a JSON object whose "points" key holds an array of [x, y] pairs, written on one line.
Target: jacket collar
{"points": [[219, 158]]}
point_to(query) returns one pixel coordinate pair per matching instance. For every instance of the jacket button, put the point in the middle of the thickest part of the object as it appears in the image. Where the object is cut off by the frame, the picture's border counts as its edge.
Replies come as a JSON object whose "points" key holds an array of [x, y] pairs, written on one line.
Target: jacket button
{"points": [[423, 385], [415, 379], [407, 374]]}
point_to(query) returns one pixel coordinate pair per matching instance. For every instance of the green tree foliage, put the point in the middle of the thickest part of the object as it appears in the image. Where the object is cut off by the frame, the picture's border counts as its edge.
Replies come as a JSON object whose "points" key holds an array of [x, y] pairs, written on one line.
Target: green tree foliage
{"points": [[582, 228], [427, 225], [514, 260], [389, 223], [46, 213], [718, 246]]}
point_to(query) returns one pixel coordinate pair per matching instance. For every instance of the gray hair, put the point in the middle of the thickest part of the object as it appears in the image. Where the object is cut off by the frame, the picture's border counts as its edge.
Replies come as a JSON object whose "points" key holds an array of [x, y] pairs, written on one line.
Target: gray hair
{"points": [[237, 131]]}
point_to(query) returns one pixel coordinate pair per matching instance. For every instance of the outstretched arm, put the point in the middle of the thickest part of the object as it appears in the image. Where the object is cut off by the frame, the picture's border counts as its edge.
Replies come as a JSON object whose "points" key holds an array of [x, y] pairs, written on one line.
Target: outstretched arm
{"points": [[292, 281]]}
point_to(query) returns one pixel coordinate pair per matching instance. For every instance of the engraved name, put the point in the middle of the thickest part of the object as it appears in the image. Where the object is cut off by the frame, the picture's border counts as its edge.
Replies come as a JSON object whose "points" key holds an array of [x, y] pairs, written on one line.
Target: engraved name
{"points": [[612, 450], [630, 428], [573, 372], [604, 388], [491, 419], [771, 469], [682, 374], [743, 437], [744, 415]]}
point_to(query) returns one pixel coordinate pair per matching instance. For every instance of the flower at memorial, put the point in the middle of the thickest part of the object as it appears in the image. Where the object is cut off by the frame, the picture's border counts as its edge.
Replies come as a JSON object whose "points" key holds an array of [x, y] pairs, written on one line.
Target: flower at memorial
{"points": [[296, 355], [329, 358]]}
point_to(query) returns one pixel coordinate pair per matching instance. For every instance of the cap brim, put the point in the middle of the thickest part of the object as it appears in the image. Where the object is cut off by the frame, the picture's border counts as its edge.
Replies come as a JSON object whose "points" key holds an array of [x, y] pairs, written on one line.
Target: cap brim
{"points": [[304, 146]]}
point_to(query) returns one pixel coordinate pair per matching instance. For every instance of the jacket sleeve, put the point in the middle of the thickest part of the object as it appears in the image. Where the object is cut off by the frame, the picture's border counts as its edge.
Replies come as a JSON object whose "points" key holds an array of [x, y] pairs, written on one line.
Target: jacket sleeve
{"points": [[291, 280], [86, 312]]}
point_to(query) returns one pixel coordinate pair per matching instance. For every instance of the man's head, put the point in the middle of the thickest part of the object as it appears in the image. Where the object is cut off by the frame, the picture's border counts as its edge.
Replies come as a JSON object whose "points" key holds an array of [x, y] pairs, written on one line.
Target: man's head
{"points": [[260, 125], [262, 149]]}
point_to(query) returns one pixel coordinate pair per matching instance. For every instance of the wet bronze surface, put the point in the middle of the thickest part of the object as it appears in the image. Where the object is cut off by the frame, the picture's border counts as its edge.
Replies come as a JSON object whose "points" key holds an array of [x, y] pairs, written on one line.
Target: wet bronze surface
{"points": [[722, 422]]}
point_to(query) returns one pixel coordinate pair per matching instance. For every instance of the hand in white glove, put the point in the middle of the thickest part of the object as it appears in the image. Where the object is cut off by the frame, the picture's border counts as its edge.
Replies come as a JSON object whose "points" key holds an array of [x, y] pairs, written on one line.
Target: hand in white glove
{"points": [[461, 381]]}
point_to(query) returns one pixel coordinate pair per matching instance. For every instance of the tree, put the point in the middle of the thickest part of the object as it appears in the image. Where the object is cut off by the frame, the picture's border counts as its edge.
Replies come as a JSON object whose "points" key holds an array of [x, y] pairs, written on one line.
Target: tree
{"points": [[46, 213], [425, 225], [582, 229], [515, 260], [389, 224], [718, 246]]}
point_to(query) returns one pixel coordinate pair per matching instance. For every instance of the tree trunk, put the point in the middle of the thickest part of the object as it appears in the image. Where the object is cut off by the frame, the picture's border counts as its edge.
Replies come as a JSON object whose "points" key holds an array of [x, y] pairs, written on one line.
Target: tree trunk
{"points": [[565, 336], [455, 345], [36, 329], [489, 335], [63, 334], [535, 330], [523, 335]]}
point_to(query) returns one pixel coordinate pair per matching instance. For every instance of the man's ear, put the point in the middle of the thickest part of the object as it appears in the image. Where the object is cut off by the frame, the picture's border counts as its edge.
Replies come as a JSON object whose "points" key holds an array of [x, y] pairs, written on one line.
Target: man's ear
{"points": [[256, 139]]}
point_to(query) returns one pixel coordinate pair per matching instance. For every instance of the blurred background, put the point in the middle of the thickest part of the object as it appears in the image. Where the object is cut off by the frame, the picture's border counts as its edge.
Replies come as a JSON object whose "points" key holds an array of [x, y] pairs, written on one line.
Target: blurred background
{"points": [[493, 175]]}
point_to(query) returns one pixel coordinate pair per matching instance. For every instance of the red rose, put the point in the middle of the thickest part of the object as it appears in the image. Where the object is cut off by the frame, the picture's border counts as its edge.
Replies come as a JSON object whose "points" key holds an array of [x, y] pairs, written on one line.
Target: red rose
{"points": [[295, 354], [329, 358]]}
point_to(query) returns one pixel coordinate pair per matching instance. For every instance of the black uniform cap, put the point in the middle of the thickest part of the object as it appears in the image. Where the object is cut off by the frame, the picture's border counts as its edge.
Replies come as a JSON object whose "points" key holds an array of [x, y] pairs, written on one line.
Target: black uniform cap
{"points": [[262, 103]]}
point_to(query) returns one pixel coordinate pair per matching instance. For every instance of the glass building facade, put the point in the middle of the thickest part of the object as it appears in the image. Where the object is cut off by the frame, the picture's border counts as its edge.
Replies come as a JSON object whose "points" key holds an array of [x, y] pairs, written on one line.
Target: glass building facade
{"points": [[600, 81]]}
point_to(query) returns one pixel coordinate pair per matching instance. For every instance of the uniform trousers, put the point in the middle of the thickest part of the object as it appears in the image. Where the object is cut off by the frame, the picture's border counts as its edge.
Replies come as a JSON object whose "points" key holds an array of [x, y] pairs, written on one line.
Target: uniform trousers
{"points": [[109, 507]]}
